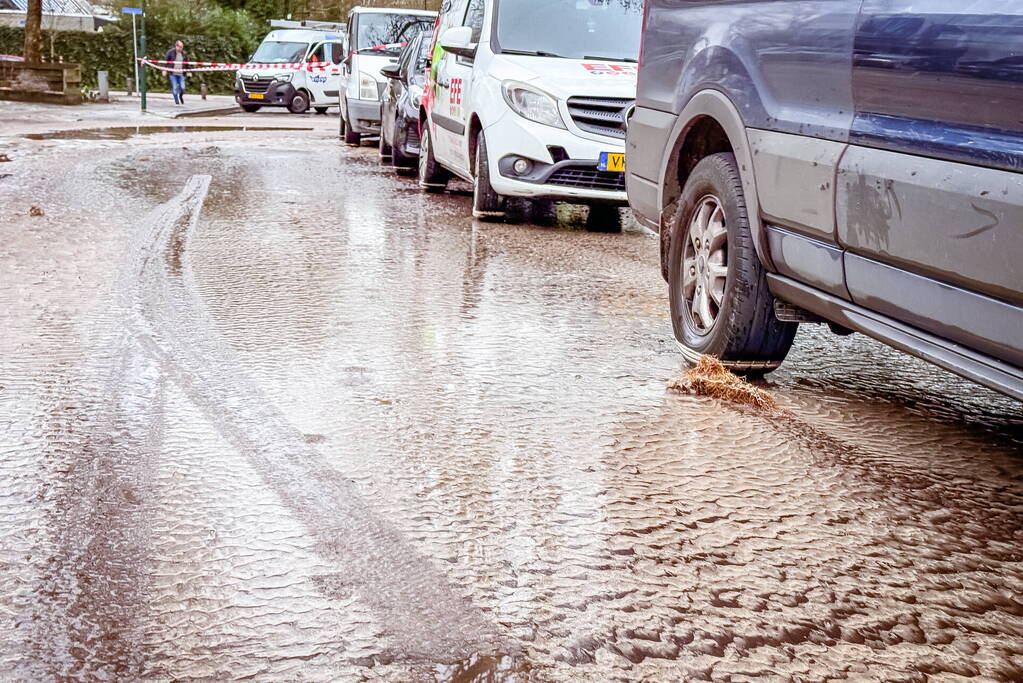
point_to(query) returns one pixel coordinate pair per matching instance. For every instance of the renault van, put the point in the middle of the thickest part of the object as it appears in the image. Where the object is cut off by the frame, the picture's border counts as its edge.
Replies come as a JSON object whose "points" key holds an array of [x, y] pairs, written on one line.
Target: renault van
{"points": [[297, 67]]}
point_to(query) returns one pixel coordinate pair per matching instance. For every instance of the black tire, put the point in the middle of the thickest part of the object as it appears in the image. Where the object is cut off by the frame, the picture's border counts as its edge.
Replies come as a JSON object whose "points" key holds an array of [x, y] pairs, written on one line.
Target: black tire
{"points": [[321, 110], [744, 333], [402, 162], [252, 108], [604, 218], [487, 205], [351, 138], [432, 176], [385, 149], [299, 103]]}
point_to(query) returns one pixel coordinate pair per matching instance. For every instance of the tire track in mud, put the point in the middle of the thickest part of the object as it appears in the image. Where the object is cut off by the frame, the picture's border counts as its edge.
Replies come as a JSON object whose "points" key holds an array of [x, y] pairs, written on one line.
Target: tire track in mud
{"points": [[373, 560]]}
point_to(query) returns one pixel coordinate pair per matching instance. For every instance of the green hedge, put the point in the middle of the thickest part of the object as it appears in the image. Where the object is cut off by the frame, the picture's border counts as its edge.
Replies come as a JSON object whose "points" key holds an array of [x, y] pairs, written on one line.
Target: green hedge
{"points": [[111, 50]]}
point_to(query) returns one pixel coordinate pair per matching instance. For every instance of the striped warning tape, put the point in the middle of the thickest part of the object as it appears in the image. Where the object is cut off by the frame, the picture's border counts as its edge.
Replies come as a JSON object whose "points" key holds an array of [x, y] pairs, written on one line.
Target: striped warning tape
{"points": [[162, 65]]}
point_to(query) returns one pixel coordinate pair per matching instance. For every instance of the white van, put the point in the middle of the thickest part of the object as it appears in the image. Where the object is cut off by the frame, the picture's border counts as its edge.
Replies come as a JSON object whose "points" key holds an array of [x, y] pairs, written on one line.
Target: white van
{"points": [[376, 36], [531, 98], [294, 44]]}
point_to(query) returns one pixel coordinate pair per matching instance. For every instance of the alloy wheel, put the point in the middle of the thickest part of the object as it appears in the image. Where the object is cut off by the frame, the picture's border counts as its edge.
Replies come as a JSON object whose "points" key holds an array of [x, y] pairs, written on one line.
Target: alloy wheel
{"points": [[705, 264]]}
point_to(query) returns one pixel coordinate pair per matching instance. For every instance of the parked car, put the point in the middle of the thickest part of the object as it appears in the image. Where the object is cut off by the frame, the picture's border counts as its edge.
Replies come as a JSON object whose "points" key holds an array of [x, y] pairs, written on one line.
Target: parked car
{"points": [[399, 105], [376, 36], [283, 78], [529, 99], [852, 161]]}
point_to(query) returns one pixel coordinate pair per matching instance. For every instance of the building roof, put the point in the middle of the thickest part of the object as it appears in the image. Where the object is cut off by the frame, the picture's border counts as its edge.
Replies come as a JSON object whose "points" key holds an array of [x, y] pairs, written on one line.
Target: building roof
{"points": [[51, 6]]}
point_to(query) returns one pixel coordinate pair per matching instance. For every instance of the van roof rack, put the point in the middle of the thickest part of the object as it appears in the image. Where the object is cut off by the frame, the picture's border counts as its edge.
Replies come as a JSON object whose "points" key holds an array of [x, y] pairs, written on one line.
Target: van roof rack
{"points": [[310, 25]]}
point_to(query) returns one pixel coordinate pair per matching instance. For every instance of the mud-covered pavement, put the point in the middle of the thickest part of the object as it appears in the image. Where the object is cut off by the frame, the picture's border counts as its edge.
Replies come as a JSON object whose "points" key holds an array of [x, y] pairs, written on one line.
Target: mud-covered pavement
{"points": [[268, 412]]}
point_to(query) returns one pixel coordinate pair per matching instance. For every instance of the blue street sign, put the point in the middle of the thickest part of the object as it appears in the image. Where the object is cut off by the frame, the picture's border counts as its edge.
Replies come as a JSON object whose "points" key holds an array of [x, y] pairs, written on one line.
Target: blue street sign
{"points": [[131, 10]]}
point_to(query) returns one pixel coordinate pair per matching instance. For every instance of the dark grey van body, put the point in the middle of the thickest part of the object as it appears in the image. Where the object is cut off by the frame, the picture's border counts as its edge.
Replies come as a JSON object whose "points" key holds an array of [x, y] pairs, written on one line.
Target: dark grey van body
{"points": [[880, 149]]}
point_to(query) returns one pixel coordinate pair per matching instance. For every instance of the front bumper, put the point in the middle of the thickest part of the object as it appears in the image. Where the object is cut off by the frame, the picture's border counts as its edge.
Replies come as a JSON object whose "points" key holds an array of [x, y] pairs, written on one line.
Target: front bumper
{"points": [[564, 164], [364, 115], [277, 95]]}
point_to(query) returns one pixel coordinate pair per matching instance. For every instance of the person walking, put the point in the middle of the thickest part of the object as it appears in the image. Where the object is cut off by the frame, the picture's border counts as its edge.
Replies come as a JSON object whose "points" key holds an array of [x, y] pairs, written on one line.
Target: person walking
{"points": [[176, 55]]}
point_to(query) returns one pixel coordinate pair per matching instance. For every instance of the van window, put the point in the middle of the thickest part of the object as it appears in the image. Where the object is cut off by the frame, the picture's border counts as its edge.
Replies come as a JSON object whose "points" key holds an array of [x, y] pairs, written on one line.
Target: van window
{"points": [[474, 18], [319, 54], [278, 52], [376, 29], [337, 52], [576, 29]]}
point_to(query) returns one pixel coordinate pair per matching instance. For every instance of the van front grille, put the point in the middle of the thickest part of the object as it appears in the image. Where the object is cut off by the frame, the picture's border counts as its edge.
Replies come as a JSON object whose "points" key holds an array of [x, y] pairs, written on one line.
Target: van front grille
{"points": [[256, 84], [601, 115]]}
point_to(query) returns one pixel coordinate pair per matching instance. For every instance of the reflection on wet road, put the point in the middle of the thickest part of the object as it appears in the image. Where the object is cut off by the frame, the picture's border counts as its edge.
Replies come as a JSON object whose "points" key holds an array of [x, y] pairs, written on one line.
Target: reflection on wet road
{"points": [[268, 412]]}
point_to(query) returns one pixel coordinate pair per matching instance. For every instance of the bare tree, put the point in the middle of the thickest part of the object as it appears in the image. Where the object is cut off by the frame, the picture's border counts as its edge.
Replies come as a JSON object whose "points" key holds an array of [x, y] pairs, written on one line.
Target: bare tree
{"points": [[34, 31]]}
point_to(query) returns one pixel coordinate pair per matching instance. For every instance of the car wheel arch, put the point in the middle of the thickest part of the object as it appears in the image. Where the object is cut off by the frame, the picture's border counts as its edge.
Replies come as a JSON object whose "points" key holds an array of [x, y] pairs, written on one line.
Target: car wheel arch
{"points": [[710, 112]]}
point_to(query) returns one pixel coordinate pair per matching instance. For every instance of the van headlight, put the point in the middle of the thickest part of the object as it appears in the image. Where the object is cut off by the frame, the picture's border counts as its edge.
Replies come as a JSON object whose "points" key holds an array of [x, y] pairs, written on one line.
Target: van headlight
{"points": [[533, 104], [367, 87], [283, 78]]}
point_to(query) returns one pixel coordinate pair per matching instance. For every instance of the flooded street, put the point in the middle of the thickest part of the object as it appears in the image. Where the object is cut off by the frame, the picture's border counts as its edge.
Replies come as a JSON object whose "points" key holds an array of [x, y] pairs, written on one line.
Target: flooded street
{"points": [[269, 412]]}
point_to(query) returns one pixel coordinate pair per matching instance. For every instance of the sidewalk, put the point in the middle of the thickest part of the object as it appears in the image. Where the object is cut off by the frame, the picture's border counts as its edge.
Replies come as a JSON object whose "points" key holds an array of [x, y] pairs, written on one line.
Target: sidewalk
{"points": [[27, 117], [162, 104]]}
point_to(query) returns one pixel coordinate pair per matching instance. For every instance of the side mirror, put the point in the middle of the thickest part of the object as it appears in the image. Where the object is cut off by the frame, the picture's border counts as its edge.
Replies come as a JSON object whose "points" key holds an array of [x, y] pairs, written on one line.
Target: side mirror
{"points": [[458, 41], [391, 71]]}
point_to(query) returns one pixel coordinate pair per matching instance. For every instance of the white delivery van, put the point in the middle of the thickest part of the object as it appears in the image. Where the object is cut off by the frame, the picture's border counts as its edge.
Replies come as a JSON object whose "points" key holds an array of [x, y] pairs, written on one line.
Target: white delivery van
{"points": [[376, 36], [294, 45], [531, 98]]}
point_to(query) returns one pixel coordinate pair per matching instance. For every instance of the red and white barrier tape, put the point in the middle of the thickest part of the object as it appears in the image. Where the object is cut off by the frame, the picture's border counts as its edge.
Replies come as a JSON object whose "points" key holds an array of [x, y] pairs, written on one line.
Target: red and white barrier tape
{"points": [[388, 46], [224, 66]]}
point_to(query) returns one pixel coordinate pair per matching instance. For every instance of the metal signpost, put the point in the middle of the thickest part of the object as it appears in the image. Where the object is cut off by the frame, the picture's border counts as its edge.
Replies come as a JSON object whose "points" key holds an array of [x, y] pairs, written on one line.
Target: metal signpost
{"points": [[134, 40], [142, 49]]}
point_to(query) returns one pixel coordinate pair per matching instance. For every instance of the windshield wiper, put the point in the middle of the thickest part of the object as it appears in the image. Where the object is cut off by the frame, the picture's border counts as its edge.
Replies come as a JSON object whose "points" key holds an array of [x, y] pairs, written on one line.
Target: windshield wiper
{"points": [[532, 53], [613, 59]]}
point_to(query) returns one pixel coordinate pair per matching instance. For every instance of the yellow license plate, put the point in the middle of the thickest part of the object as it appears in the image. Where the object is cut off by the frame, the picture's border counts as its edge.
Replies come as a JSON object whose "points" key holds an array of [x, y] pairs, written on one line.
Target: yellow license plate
{"points": [[612, 161], [255, 95]]}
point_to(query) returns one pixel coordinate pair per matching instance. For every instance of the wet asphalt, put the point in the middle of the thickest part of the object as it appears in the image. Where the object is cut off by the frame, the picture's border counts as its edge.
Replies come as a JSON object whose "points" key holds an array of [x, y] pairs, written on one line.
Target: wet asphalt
{"points": [[268, 412]]}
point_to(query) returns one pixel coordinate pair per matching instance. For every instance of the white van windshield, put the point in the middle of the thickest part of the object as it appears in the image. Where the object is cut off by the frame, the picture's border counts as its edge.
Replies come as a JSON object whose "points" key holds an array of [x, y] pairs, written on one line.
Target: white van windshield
{"points": [[276, 52], [575, 29], [378, 29]]}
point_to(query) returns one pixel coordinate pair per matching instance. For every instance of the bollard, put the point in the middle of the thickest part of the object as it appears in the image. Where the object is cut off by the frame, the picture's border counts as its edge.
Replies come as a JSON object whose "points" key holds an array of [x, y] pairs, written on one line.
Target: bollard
{"points": [[104, 85], [202, 89], [129, 84]]}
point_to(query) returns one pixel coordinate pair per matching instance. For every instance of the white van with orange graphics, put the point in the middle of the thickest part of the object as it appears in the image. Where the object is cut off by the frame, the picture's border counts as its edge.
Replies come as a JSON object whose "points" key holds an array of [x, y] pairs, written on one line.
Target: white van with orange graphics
{"points": [[531, 98]]}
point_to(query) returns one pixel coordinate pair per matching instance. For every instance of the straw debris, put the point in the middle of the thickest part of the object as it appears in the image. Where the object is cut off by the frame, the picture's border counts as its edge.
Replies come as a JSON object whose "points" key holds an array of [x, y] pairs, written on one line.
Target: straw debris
{"points": [[711, 378]]}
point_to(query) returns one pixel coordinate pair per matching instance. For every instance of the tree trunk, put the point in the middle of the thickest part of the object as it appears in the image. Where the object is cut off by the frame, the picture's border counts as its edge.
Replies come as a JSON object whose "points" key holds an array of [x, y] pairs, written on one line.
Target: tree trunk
{"points": [[34, 31]]}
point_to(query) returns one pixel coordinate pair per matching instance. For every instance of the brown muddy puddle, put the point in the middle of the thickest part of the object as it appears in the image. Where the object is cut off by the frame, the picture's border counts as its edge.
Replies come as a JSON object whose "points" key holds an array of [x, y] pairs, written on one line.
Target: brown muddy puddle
{"points": [[356, 435], [126, 132]]}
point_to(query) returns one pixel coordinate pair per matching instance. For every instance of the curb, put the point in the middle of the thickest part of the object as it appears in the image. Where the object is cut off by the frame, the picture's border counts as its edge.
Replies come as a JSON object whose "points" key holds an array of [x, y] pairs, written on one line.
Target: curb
{"points": [[211, 111]]}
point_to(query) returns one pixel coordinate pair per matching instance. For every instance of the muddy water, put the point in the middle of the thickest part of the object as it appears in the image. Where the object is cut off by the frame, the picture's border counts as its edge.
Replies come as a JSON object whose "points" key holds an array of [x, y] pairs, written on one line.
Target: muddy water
{"points": [[126, 132], [256, 426]]}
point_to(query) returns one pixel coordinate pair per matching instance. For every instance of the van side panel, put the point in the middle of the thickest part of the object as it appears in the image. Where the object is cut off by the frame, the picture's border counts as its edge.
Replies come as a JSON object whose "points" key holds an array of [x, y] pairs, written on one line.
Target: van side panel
{"points": [[785, 65], [953, 222], [942, 78], [930, 193]]}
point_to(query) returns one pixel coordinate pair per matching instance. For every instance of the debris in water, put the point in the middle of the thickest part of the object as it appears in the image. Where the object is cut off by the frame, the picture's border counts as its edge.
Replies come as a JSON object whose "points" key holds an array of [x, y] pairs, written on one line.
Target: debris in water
{"points": [[4, 157], [711, 378], [35, 211]]}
